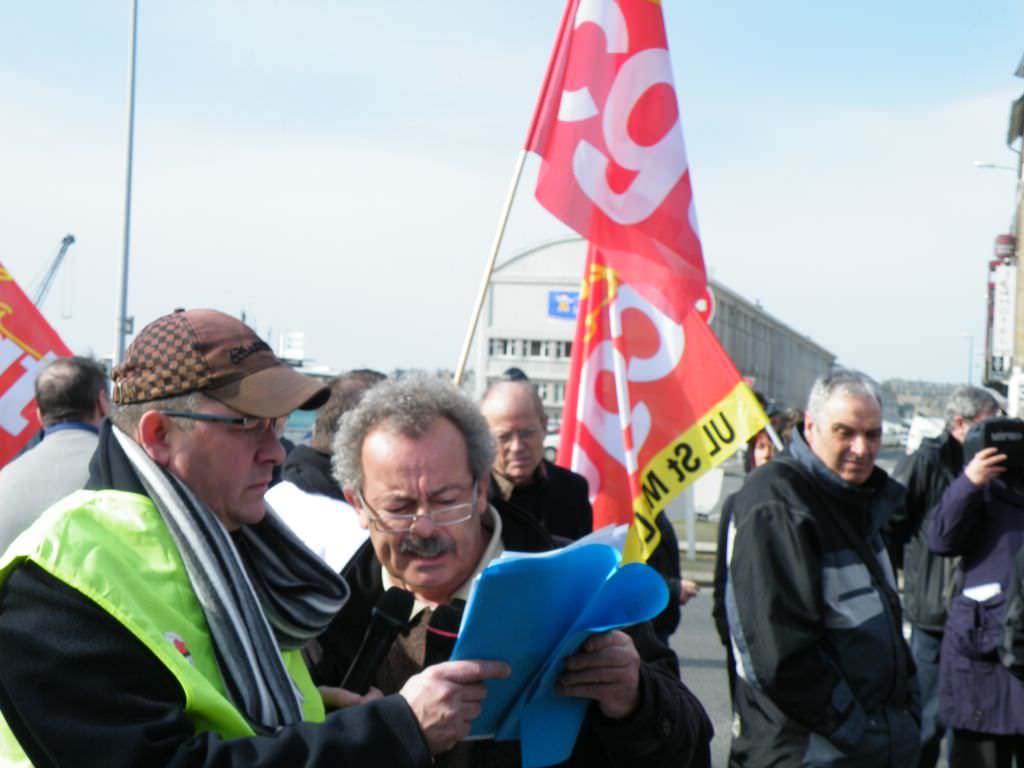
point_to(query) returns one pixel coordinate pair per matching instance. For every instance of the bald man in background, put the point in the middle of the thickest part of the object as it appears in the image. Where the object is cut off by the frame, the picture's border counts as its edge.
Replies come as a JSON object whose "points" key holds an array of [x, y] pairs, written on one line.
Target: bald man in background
{"points": [[556, 497]]}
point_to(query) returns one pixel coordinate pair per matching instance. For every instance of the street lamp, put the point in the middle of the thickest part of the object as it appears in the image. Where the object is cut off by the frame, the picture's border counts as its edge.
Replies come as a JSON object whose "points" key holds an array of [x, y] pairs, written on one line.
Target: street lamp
{"points": [[124, 323], [1018, 171], [983, 164]]}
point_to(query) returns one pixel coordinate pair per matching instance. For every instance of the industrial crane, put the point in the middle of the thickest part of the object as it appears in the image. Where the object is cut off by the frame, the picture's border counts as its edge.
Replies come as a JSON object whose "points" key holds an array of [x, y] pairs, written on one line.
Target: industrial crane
{"points": [[47, 281]]}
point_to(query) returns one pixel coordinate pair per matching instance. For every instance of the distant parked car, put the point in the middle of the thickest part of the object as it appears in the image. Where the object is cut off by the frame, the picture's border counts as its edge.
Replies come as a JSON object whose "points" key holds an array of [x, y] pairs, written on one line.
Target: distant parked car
{"points": [[894, 434]]}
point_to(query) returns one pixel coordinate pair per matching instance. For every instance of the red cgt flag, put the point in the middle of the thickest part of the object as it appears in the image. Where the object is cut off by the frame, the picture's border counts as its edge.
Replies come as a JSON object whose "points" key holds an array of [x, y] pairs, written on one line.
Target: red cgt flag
{"points": [[27, 345], [653, 401], [607, 127]]}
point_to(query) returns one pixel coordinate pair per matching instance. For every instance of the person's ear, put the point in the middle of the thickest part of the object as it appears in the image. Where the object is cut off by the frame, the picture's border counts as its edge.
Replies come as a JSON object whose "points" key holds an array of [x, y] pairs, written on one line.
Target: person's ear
{"points": [[353, 498], [808, 428], [152, 434], [482, 486], [102, 407]]}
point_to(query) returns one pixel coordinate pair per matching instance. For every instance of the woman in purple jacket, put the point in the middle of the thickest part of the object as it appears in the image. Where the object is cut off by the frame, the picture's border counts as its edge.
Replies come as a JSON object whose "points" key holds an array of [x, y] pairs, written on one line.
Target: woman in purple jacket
{"points": [[980, 518]]}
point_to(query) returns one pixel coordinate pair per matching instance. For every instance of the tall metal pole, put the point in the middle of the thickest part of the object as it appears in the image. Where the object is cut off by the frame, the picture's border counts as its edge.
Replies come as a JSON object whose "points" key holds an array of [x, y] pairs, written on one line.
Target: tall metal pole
{"points": [[122, 293]]}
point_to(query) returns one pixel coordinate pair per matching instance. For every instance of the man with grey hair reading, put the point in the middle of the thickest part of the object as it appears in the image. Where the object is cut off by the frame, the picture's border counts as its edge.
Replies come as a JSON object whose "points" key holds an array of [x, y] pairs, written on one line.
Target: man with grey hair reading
{"points": [[824, 677], [414, 458], [927, 473]]}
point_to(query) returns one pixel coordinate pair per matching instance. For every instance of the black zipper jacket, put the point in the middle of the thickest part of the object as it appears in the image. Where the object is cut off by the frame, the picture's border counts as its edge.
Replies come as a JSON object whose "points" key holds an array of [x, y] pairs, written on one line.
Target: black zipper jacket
{"points": [[926, 474], [824, 675]]}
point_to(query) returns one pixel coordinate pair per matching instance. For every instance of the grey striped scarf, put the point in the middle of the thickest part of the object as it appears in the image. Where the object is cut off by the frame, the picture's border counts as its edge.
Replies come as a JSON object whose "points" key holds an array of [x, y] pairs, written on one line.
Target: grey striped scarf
{"points": [[260, 590]]}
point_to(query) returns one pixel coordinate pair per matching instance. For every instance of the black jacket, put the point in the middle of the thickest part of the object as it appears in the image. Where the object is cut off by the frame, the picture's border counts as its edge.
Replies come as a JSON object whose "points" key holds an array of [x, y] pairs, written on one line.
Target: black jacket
{"points": [[310, 470], [669, 728], [718, 613], [1011, 647], [926, 473], [825, 677], [559, 501], [665, 560]]}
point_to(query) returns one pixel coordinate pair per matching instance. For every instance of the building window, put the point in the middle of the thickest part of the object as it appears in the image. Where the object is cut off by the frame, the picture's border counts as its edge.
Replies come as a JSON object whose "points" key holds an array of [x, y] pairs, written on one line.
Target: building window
{"points": [[499, 347], [538, 349]]}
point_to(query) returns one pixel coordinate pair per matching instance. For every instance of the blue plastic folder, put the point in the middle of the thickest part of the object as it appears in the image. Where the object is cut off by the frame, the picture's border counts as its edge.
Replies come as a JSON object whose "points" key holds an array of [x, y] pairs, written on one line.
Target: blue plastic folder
{"points": [[534, 610]]}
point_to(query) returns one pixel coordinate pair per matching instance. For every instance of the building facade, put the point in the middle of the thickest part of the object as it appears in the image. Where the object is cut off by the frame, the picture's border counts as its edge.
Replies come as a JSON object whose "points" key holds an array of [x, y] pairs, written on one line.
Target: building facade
{"points": [[529, 320]]}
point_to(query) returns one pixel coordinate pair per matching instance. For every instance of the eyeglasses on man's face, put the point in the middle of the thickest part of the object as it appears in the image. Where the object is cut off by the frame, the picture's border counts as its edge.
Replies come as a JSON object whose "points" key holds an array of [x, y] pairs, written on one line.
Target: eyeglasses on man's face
{"points": [[253, 425], [523, 435], [442, 517]]}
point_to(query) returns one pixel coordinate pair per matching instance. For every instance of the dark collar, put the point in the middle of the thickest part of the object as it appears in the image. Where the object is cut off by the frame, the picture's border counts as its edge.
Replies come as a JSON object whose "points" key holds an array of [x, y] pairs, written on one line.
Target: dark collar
{"points": [[506, 487], [311, 471], [110, 469]]}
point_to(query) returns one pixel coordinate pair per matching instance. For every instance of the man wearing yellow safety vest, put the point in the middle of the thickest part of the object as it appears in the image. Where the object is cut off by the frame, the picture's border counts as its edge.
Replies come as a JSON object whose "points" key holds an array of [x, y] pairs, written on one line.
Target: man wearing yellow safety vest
{"points": [[156, 617]]}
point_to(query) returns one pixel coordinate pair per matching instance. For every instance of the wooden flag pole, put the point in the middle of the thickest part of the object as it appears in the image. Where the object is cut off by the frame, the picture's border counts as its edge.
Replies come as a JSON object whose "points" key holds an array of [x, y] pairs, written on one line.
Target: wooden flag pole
{"points": [[460, 369]]}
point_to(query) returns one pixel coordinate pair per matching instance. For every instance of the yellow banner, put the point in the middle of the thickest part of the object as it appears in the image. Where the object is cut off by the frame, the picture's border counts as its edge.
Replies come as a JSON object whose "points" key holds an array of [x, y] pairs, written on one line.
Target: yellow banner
{"points": [[714, 438]]}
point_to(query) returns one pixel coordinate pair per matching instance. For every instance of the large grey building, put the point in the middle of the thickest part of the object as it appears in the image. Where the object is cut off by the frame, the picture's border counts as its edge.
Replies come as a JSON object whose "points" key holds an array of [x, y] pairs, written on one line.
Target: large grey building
{"points": [[529, 320]]}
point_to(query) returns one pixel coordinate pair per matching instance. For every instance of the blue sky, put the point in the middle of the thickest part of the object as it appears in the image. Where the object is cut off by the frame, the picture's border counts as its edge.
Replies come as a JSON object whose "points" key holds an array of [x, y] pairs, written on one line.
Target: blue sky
{"points": [[338, 167]]}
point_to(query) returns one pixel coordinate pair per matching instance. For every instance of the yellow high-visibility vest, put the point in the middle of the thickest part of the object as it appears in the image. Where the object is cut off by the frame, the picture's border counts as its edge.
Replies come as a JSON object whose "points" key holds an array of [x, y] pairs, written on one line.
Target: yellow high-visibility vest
{"points": [[115, 549]]}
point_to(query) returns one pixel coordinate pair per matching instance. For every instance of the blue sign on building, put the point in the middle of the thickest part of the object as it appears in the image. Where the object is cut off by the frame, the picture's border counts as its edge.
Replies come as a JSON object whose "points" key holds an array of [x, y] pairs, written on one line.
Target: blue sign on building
{"points": [[563, 304]]}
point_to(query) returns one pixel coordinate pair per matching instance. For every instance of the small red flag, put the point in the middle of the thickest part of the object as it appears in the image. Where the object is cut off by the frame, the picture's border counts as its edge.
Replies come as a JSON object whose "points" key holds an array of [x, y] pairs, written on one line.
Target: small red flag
{"points": [[27, 345], [652, 402]]}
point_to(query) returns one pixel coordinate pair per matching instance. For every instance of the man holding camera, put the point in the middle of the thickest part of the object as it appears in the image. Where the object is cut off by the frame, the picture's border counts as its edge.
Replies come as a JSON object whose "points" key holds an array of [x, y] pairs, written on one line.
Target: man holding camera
{"points": [[927, 473], [980, 518]]}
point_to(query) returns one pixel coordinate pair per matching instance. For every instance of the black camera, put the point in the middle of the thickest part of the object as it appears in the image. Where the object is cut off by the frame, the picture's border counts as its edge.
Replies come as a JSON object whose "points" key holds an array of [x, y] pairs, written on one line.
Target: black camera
{"points": [[1005, 435]]}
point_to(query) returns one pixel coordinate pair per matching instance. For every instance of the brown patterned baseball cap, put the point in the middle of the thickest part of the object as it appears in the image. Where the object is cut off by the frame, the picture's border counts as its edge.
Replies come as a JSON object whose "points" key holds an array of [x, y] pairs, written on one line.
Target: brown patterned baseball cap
{"points": [[202, 350]]}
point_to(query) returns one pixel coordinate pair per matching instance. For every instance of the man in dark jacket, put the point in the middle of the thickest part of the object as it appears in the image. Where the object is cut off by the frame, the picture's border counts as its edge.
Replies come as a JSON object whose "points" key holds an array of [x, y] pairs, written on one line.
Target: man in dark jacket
{"points": [[557, 498], [824, 676], [927, 473], [414, 458]]}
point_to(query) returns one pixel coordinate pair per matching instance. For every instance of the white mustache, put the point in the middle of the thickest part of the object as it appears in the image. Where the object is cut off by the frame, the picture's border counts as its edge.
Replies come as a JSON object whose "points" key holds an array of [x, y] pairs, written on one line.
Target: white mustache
{"points": [[421, 546]]}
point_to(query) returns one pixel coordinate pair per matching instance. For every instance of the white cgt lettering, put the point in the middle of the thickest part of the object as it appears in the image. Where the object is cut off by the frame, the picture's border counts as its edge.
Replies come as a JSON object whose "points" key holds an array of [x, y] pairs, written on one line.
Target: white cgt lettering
{"points": [[659, 166], [606, 426], [579, 105]]}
